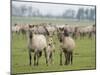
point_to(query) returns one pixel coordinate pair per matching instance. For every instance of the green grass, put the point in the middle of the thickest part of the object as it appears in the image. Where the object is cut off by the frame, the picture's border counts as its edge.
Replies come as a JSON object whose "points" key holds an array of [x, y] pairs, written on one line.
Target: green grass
{"points": [[38, 20], [84, 53], [84, 56]]}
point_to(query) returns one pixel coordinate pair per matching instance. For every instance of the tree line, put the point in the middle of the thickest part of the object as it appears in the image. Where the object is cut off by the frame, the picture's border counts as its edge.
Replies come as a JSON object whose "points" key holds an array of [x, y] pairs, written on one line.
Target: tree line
{"points": [[80, 14]]}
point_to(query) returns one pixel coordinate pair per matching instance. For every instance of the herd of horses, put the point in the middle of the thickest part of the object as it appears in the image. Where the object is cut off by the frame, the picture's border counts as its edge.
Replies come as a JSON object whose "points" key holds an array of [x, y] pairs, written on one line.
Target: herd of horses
{"points": [[40, 39]]}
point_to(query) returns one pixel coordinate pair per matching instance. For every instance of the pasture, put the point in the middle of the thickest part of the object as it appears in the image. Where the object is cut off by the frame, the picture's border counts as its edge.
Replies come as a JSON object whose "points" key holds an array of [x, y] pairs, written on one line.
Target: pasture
{"points": [[84, 53], [38, 20]]}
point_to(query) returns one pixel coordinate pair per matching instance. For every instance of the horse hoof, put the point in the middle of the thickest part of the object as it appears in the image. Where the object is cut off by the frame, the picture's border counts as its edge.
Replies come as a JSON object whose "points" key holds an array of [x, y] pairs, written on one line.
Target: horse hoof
{"points": [[61, 64], [66, 63]]}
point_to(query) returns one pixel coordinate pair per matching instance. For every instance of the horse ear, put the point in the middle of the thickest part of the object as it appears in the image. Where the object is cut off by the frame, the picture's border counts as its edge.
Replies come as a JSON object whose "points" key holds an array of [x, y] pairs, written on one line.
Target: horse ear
{"points": [[60, 29], [15, 24], [32, 25], [63, 29], [29, 26]]}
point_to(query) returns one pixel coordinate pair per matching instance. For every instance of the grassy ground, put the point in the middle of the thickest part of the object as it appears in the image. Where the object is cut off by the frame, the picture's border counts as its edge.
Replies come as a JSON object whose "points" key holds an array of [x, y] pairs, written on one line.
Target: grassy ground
{"points": [[38, 20], [84, 53], [84, 56]]}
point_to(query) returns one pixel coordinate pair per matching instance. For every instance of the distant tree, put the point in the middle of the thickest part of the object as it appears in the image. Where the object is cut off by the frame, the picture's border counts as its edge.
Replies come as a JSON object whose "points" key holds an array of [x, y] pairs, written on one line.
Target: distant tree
{"points": [[92, 14], [80, 14], [49, 15], [73, 14], [69, 13], [15, 10], [30, 11], [87, 13], [37, 12], [34, 11], [23, 10]]}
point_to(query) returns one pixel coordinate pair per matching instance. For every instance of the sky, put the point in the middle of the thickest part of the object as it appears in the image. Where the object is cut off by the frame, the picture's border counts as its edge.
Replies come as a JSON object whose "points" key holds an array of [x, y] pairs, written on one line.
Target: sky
{"points": [[48, 8]]}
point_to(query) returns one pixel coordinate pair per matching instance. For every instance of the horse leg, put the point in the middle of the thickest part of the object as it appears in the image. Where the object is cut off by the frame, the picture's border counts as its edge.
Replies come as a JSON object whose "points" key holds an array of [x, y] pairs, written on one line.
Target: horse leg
{"points": [[61, 58], [34, 58], [39, 54], [37, 59], [71, 58], [67, 58], [30, 57], [48, 59], [45, 55], [51, 58]]}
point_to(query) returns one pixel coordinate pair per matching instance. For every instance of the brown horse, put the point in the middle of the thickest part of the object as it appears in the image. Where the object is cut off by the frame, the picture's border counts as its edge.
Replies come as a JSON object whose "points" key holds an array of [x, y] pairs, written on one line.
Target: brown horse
{"points": [[67, 46]]}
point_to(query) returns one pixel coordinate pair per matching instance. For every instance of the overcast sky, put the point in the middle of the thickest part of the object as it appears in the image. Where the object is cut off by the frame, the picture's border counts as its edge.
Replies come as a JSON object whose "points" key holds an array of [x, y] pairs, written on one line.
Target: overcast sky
{"points": [[54, 9]]}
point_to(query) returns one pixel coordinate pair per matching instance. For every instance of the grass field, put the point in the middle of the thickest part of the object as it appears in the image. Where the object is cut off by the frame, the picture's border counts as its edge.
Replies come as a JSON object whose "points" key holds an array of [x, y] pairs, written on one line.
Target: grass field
{"points": [[84, 55], [38, 20]]}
